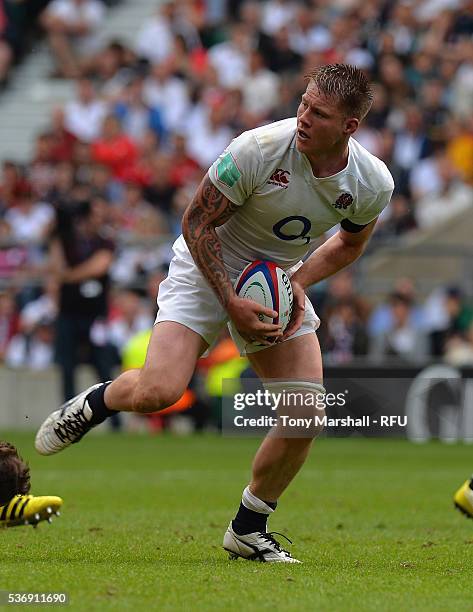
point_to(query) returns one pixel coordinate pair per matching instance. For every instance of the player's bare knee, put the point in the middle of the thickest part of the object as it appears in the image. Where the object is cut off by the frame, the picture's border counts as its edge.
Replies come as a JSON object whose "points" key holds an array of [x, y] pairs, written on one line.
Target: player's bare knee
{"points": [[170, 394], [145, 404], [301, 409], [312, 422], [153, 398], [300, 428]]}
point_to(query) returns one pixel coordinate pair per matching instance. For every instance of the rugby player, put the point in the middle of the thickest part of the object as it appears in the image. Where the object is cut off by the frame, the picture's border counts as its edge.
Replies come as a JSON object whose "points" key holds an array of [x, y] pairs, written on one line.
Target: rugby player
{"points": [[269, 195]]}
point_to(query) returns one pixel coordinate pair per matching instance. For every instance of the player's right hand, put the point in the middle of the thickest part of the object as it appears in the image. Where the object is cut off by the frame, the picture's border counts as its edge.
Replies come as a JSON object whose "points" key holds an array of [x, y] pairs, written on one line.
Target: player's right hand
{"points": [[246, 316]]}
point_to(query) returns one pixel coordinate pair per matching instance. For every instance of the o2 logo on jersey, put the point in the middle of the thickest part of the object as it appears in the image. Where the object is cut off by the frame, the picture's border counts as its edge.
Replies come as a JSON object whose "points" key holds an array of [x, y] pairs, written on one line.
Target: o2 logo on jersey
{"points": [[300, 228]]}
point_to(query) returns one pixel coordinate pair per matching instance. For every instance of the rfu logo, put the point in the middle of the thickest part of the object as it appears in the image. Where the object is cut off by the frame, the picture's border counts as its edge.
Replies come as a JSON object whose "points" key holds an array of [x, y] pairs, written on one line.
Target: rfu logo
{"points": [[344, 201], [280, 178]]}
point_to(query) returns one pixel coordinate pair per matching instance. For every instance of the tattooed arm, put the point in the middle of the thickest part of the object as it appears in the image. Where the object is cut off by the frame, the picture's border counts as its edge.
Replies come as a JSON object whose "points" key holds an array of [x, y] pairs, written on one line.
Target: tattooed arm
{"points": [[209, 209]]}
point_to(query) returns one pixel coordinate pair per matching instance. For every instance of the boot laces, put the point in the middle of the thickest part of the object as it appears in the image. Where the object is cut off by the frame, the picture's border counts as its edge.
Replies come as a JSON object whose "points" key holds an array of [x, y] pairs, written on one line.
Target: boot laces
{"points": [[72, 425], [269, 537]]}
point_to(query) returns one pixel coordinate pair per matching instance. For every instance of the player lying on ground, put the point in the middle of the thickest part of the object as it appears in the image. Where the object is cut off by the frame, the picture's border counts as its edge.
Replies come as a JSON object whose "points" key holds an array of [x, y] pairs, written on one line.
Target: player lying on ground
{"points": [[463, 498], [270, 194], [16, 506]]}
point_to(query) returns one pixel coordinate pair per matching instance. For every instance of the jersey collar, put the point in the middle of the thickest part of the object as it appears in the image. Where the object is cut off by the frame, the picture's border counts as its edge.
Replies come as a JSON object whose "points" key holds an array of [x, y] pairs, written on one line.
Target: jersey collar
{"points": [[317, 179]]}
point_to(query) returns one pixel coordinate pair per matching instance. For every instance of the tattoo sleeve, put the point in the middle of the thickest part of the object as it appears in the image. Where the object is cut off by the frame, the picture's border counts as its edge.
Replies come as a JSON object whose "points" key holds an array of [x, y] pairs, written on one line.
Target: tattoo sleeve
{"points": [[209, 209]]}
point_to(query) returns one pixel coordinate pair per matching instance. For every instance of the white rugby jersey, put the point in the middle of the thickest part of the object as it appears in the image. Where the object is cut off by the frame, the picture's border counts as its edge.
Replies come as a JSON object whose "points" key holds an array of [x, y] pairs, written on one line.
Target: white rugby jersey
{"points": [[283, 206]]}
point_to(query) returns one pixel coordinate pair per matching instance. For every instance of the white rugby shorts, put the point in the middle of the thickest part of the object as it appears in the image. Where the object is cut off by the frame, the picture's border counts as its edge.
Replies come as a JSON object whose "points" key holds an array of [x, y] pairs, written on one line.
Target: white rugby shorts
{"points": [[185, 297]]}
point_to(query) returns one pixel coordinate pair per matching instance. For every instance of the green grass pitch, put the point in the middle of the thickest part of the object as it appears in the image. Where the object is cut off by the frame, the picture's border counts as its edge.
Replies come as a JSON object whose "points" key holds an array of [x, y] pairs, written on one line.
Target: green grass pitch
{"points": [[143, 519]]}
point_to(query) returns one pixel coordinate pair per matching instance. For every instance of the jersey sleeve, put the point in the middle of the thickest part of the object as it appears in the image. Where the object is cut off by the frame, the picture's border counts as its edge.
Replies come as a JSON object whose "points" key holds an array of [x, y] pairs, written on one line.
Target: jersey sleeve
{"points": [[371, 211], [235, 172]]}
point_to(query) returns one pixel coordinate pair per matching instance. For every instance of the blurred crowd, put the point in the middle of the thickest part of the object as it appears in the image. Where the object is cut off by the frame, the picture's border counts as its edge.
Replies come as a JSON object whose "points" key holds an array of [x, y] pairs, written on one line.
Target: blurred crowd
{"points": [[20, 29], [147, 120]]}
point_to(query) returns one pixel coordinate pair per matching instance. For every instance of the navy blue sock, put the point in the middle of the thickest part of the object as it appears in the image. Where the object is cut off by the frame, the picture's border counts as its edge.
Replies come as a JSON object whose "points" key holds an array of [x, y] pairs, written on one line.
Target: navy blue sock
{"points": [[96, 400], [249, 521]]}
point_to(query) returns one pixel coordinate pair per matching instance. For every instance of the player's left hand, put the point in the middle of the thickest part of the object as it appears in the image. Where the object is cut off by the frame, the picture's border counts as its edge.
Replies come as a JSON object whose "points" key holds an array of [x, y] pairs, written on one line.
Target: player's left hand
{"points": [[298, 311]]}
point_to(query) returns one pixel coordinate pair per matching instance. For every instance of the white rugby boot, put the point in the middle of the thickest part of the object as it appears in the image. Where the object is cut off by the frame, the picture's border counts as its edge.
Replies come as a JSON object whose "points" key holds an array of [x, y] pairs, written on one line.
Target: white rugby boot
{"points": [[256, 546], [65, 426]]}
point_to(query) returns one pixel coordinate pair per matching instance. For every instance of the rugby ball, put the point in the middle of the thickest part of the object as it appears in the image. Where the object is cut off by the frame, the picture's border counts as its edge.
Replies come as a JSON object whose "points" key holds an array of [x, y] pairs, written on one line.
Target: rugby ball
{"points": [[267, 284]]}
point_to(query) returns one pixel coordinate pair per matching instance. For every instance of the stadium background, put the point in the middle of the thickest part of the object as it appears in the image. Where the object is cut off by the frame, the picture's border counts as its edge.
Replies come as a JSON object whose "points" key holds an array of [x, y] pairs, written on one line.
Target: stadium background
{"points": [[129, 114]]}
